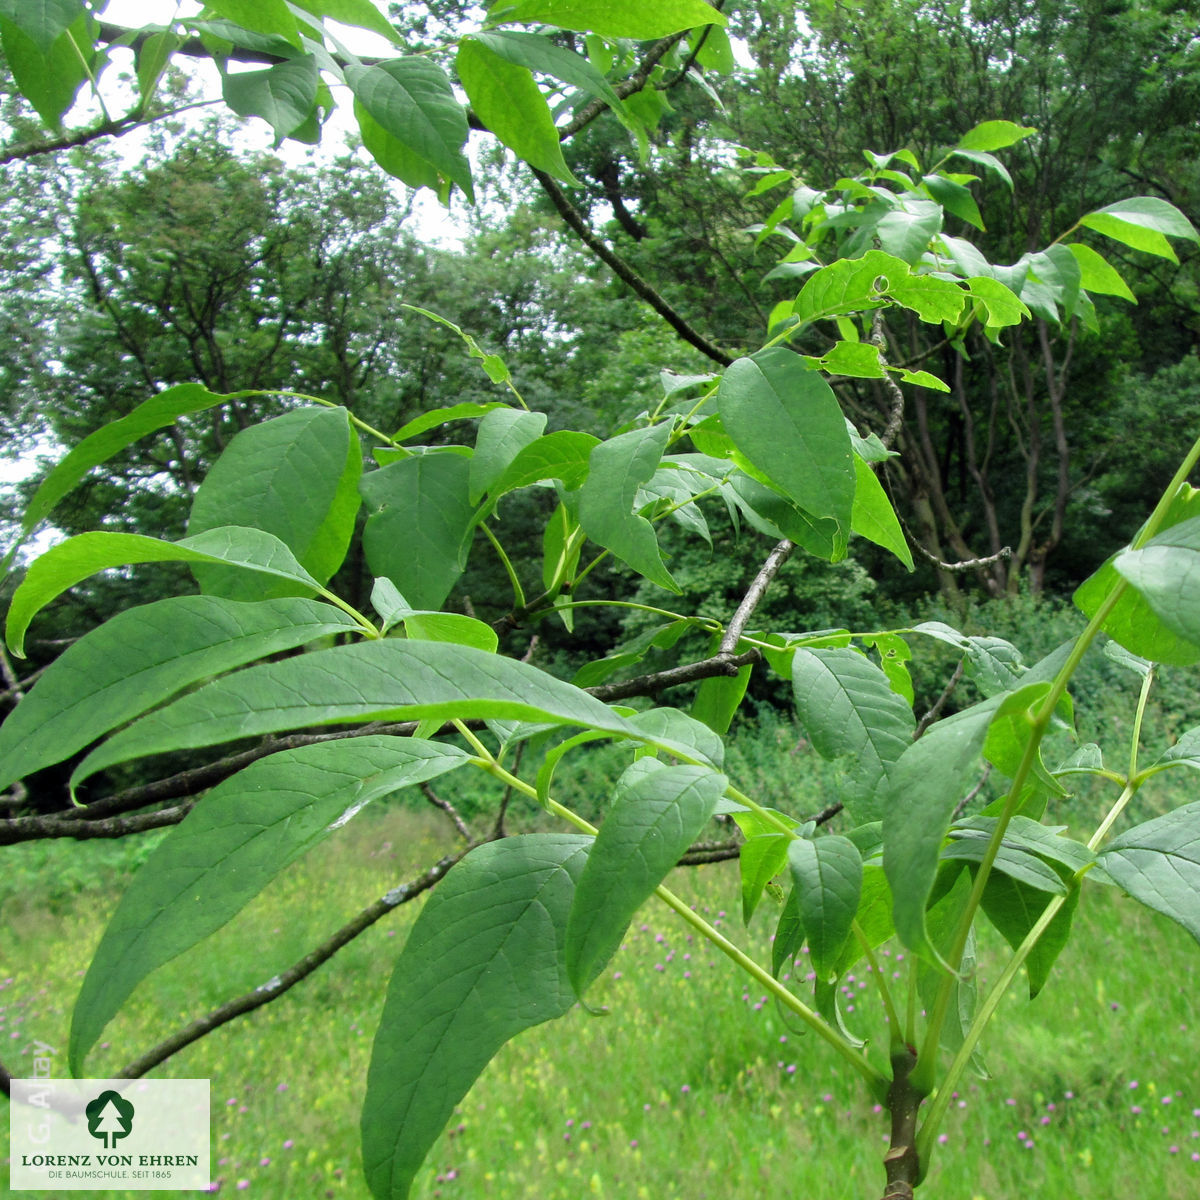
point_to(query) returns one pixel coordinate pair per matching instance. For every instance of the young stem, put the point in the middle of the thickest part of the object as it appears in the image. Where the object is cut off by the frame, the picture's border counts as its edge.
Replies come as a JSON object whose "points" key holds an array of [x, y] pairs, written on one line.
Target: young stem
{"points": [[895, 1032], [518, 591]]}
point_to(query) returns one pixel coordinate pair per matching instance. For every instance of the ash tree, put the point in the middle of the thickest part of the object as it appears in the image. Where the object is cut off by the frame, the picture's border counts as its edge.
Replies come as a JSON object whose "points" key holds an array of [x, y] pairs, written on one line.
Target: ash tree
{"points": [[301, 707]]}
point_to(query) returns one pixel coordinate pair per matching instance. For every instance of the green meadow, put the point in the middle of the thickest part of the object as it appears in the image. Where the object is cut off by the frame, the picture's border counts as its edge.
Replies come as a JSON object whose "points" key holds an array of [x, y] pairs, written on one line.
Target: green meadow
{"points": [[689, 1086]]}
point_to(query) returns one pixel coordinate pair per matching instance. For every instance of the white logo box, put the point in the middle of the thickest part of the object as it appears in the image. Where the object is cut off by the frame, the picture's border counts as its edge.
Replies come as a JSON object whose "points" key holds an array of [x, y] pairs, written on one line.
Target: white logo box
{"points": [[109, 1135]]}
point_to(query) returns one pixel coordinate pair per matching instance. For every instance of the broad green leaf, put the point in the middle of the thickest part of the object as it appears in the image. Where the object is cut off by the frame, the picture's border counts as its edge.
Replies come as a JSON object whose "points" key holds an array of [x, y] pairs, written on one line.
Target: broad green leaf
{"points": [[616, 469], [786, 420], [64, 565], [932, 299], [503, 434], [243, 833], [510, 104], [541, 55], [412, 100], [954, 198], [484, 962], [438, 417], [384, 679], [923, 789], [1185, 753], [789, 934], [1158, 864], [1013, 861], [923, 379], [1058, 269], [283, 95], [1097, 274], [1002, 305], [152, 414], [141, 657], [1166, 574], [859, 360], [994, 135], [848, 285], [655, 816], [670, 727], [966, 257], [894, 657], [151, 58], [874, 518], [361, 13], [777, 517], [1033, 836], [561, 455], [617, 18], [397, 158], [906, 231], [827, 877], [994, 664], [1143, 222], [1011, 730], [49, 80], [262, 16], [418, 531], [874, 917], [42, 21], [295, 476], [986, 160], [848, 709], [1014, 909], [944, 917], [451, 627], [630, 653], [760, 859], [719, 697]]}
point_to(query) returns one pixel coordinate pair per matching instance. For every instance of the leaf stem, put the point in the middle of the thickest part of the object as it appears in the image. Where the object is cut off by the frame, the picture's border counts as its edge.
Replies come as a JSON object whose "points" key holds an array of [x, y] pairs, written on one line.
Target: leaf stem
{"points": [[895, 1031], [518, 591], [1135, 739]]}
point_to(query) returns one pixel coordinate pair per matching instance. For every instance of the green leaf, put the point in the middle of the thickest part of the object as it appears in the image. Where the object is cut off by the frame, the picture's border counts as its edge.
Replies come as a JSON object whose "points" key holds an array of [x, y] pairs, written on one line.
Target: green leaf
{"points": [[777, 517], [719, 697], [49, 80], [64, 565], [986, 160], [857, 359], [437, 417], [617, 18], [616, 469], [923, 790], [670, 727], [451, 627], [786, 420], [542, 56], [1166, 573], [419, 527], [503, 434], [413, 100], [1017, 863], [360, 13], [1014, 909], [142, 656], [827, 877], [152, 414], [484, 962], [994, 135], [283, 95], [510, 104], [1011, 730], [906, 231], [1158, 864], [760, 859], [42, 21], [384, 679], [655, 816], [295, 476], [848, 285], [1097, 274], [1002, 305], [151, 58], [932, 299], [261, 16], [994, 664], [562, 455], [924, 379], [1036, 838], [848, 709], [239, 837], [954, 198], [873, 516], [1143, 222], [874, 917], [397, 158]]}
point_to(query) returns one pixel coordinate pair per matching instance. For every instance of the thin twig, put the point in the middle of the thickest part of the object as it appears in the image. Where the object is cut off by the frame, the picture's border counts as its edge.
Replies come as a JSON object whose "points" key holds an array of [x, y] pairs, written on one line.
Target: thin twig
{"points": [[63, 825], [658, 681], [896, 415], [702, 853], [265, 993], [753, 597], [940, 703], [961, 807], [450, 811]]}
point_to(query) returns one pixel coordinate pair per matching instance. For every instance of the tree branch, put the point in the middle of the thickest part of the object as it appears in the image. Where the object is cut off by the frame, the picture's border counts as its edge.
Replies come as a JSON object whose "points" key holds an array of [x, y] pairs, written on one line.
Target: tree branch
{"points": [[754, 595], [623, 271], [265, 993]]}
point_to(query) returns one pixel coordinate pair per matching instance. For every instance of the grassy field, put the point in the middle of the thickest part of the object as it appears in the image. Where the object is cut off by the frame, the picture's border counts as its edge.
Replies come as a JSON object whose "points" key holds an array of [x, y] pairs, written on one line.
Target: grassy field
{"points": [[690, 1087]]}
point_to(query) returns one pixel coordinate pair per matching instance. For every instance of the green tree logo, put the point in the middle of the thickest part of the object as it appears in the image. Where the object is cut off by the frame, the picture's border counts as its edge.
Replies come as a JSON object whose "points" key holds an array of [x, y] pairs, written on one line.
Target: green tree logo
{"points": [[109, 1117]]}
